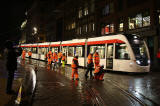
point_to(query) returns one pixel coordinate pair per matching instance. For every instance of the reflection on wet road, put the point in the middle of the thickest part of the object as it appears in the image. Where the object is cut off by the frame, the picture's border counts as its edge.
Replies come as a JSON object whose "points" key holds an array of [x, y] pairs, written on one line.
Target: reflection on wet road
{"points": [[55, 87]]}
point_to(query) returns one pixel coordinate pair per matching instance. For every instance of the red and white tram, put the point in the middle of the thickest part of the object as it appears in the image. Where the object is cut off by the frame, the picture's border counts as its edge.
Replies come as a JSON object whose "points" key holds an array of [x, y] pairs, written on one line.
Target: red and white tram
{"points": [[127, 53]]}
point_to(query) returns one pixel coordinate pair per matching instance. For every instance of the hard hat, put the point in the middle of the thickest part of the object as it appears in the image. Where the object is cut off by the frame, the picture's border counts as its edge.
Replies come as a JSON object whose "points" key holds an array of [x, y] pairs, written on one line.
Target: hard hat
{"points": [[96, 50]]}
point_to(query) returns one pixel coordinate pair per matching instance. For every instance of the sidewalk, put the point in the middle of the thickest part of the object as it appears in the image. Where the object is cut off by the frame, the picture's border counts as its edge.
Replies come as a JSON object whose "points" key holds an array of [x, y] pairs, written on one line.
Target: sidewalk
{"points": [[5, 99]]}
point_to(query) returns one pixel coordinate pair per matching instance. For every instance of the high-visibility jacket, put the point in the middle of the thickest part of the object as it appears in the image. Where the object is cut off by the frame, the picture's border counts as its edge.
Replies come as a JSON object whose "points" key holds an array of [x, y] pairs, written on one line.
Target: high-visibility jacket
{"points": [[59, 55], [90, 59], [49, 54], [74, 63], [63, 58], [158, 54], [29, 53], [96, 58], [55, 57], [97, 69]]}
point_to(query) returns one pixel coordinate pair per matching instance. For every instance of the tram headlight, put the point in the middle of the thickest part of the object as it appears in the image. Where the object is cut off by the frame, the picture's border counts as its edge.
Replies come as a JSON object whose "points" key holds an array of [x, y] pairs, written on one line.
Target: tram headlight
{"points": [[138, 62], [149, 61]]}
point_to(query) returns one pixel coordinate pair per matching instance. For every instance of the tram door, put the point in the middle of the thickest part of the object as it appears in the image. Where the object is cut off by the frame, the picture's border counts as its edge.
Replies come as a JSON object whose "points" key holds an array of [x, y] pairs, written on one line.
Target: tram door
{"points": [[109, 56]]}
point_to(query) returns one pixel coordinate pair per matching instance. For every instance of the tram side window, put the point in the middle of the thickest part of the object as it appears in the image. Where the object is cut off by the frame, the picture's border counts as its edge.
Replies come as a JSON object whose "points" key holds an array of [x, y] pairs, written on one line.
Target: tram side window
{"points": [[64, 50], [54, 49], [79, 51], [121, 51], [71, 51], [34, 50], [101, 50]]}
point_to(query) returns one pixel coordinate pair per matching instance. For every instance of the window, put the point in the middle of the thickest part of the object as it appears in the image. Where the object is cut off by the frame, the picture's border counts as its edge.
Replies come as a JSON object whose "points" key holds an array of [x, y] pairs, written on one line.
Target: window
{"points": [[34, 50], [86, 11], [121, 51], [140, 20], [109, 28], [146, 19], [93, 26], [79, 51], [101, 50], [80, 30], [132, 23], [159, 18], [86, 28], [64, 50], [54, 49], [121, 26], [73, 25], [108, 8], [71, 51], [80, 13]]}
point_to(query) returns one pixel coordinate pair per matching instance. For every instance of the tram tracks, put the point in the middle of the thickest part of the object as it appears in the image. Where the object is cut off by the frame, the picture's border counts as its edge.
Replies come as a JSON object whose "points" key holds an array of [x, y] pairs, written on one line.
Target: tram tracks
{"points": [[145, 102]]}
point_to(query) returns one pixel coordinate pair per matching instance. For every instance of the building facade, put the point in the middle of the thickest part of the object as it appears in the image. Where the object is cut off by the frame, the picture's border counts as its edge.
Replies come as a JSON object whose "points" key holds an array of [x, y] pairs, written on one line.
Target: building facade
{"points": [[74, 19]]}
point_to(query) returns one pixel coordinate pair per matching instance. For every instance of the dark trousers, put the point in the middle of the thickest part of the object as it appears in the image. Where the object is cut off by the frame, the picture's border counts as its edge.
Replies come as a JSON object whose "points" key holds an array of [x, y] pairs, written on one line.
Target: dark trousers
{"points": [[10, 80], [89, 69]]}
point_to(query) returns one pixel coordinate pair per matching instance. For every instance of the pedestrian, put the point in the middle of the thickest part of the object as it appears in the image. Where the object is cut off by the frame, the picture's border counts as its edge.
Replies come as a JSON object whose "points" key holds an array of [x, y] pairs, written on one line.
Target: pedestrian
{"points": [[63, 60], [11, 64], [59, 58], [23, 54], [74, 66], [30, 54], [158, 57], [89, 66], [96, 59], [55, 59], [49, 62]]}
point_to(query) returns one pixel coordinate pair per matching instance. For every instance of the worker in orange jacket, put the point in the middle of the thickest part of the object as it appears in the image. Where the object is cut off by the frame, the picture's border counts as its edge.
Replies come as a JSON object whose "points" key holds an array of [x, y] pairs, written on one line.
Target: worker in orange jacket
{"points": [[89, 65], [55, 59], [96, 59], [23, 54], [99, 73], [49, 59], [63, 60], [30, 54], [74, 66], [60, 57]]}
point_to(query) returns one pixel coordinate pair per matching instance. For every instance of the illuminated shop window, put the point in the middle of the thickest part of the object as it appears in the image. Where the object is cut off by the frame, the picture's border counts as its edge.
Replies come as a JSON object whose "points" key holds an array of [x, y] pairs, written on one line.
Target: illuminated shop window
{"points": [[80, 13]]}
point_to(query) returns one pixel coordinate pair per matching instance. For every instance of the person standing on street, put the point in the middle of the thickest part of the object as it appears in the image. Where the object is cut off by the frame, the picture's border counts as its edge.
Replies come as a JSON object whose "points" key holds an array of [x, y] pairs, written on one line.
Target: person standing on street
{"points": [[55, 59], [24, 54], [74, 66], [89, 66], [63, 60], [96, 59], [59, 58], [30, 54], [11, 64]]}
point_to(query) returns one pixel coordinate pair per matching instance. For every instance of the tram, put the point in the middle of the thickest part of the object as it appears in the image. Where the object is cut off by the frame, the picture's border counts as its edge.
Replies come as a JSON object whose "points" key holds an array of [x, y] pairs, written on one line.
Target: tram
{"points": [[121, 52]]}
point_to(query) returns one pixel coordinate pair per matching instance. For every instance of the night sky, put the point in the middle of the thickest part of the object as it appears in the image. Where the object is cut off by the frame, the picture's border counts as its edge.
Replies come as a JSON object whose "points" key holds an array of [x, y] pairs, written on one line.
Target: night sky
{"points": [[12, 16]]}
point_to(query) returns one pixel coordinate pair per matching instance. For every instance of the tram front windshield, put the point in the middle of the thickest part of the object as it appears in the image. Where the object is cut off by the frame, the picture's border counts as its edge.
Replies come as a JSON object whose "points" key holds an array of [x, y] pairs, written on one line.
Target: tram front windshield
{"points": [[139, 49]]}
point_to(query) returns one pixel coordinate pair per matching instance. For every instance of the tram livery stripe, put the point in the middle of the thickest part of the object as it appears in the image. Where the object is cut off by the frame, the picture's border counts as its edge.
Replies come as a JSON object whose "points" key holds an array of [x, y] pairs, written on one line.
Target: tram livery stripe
{"points": [[105, 41], [74, 44]]}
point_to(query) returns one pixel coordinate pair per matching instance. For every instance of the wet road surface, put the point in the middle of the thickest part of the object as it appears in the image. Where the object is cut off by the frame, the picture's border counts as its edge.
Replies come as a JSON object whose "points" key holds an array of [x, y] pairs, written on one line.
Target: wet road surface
{"points": [[55, 87]]}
